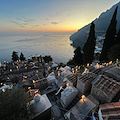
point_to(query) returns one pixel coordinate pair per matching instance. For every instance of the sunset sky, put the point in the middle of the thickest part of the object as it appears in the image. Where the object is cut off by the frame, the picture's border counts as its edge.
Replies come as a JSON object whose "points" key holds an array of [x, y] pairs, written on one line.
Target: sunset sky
{"points": [[50, 15]]}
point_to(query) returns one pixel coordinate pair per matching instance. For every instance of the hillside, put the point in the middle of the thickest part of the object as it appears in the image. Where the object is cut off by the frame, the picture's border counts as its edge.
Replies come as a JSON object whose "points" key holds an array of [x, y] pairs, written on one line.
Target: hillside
{"points": [[101, 25]]}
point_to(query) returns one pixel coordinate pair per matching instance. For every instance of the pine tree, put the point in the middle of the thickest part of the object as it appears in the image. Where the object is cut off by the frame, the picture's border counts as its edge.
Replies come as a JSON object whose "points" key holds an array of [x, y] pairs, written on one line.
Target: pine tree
{"points": [[22, 57], [109, 37], [78, 56], [15, 56], [89, 46]]}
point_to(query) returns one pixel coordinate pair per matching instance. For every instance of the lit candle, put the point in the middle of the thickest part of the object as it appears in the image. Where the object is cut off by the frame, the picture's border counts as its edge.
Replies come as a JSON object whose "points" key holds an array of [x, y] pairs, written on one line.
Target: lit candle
{"points": [[3, 90]]}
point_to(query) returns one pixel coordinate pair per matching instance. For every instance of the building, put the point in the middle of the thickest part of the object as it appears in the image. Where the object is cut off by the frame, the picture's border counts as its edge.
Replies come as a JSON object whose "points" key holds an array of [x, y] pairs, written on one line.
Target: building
{"points": [[40, 107], [81, 110], [104, 89], [84, 82], [109, 111], [113, 72], [51, 79], [67, 96], [40, 84], [72, 79], [26, 83]]}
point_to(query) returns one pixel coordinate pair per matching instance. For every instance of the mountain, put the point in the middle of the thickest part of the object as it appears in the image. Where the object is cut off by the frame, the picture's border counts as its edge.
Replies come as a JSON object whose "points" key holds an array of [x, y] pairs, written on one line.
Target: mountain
{"points": [[101, 25]]}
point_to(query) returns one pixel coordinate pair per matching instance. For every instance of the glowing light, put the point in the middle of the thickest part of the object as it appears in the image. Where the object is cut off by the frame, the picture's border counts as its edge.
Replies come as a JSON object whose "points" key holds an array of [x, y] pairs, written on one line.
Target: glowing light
{"points": [[88, 65], [3, 90], [58, 73], [85, 71], [81, 101], [60, 87], [97, 66], [104, 64], [107, 64], [76, 66], [83, 96], [17, 67], [10, 70], [116, 60], [29, 87], [110, 62], [33, 81], [25, 68], [67, 84], [25, 77], [36, 92]]}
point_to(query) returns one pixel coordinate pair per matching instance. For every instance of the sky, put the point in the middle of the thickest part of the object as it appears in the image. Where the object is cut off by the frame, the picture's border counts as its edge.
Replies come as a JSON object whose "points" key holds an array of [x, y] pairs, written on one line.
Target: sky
{"points": [[50, 15]]}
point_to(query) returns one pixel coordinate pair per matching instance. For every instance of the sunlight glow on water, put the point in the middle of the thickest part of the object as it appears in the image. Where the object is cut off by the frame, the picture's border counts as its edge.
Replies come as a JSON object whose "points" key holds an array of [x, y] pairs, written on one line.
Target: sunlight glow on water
{"points": [[56, 44]]}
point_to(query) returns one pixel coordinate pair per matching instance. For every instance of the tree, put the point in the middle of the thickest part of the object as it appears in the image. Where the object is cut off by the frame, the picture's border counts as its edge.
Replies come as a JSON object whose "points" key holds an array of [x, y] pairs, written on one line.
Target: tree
{"points": [[13, 105], [78, 56], [71, 62], [109, 37], [47, 59], [22, 58], [114, 52], [15, 56], [118, 37], [61, 64], [89, 47], [15, 79]]}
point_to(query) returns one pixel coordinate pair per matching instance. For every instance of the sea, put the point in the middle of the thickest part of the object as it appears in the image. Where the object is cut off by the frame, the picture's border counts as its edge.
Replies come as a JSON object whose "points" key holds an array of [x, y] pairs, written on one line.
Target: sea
{"points": [[55, 44]]}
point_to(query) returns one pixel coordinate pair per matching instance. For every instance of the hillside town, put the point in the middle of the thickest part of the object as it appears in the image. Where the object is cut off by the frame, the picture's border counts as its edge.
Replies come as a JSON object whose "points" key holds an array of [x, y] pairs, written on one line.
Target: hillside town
{"points": [[89, 92]]}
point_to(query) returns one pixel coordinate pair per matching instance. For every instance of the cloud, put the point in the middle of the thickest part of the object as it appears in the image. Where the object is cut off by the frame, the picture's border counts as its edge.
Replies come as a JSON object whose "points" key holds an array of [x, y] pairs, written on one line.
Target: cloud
{"points": [[24, 19], [14, 22], [34, 26], [23, 22], [54, 23]]}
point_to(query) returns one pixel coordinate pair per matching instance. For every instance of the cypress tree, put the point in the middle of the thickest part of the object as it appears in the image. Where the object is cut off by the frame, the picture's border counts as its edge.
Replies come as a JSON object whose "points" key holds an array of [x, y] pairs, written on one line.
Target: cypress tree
{"points": [[89, 46], [109, 37], [118, 38], [78, 56], [15, 56], [22, 57]]}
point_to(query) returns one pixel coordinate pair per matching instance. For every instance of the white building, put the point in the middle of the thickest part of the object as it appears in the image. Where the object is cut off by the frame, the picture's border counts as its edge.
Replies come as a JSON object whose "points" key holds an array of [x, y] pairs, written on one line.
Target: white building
{"points": [[40, 107], [68, 95]]}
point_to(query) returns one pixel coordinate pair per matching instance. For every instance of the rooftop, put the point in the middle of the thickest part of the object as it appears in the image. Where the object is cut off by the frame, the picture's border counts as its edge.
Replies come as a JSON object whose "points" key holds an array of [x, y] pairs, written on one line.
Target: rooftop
{"points": [[107, 85], [81, 109], [110, 109], [87, 77], [113, 72]]}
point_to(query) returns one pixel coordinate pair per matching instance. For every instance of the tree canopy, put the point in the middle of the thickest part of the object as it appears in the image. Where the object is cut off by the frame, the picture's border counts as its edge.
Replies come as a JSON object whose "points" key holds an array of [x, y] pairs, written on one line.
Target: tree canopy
{"points": [[47, 59], [118, 37], [114, 52], [89, 47], [78, 56], [15, 56], [13, 105], [22, 58], [109, 37]]}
